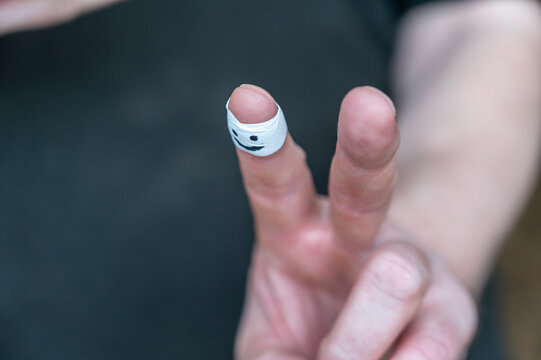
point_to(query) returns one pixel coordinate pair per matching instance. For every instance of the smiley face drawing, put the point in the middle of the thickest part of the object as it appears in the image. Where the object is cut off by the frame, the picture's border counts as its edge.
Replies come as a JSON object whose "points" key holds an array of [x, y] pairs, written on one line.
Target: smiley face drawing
{"points": [[252, 138], [262, 139]]}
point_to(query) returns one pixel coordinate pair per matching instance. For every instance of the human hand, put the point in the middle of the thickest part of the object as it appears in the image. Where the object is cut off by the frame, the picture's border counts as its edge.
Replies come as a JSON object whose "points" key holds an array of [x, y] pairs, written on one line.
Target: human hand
{"points": [[17, 15], [334, 278]]}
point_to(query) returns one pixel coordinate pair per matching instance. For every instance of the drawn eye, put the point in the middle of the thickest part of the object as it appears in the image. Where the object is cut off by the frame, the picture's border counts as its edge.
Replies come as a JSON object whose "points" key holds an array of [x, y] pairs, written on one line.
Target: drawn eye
{"points": [[234, 133], [253, 138]]}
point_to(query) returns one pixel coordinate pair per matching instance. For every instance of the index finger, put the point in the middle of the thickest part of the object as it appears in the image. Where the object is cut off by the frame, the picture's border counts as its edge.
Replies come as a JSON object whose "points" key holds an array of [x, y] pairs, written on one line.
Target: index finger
{"points": [[279, 186]]}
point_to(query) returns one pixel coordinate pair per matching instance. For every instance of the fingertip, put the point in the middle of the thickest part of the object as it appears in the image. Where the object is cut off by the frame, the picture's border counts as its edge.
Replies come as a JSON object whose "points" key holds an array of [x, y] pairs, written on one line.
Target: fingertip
{"points": [[382, 95], [251, 104], [367, 129]]}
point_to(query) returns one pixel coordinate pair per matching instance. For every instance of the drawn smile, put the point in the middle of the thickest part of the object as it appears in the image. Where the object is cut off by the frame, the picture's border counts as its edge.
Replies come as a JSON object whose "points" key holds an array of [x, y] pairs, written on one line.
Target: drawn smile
{"points": [[250, 148]]}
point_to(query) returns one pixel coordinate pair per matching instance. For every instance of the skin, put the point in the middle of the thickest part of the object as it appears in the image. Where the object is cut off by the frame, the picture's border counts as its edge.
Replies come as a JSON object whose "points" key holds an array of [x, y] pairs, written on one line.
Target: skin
{"points": [[364, 274], [334, 278], [18, 15]]}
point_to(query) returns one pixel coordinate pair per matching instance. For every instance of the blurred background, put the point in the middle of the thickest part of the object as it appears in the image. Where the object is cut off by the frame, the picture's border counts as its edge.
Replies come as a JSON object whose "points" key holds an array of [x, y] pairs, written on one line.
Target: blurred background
{"points": [[520, 289], [124, 229]]}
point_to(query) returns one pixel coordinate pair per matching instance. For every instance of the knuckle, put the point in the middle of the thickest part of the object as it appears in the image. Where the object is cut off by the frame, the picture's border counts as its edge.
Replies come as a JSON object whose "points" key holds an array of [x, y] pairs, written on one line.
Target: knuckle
{"points": [[400, 272]]}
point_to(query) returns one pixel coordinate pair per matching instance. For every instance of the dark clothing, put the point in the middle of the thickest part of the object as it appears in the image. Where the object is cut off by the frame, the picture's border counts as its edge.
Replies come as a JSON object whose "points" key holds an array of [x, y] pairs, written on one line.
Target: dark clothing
{"points": [[124, 229]]}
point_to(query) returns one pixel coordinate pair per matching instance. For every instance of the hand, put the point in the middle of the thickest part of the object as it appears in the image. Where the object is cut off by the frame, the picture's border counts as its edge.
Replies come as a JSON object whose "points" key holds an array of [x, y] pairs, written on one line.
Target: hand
{"points": [[17, 15], [334, 278]]}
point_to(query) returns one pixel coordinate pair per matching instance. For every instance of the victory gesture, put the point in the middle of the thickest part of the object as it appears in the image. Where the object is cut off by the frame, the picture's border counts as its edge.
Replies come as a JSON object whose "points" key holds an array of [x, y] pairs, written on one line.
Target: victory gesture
{"points": [[333, 278]]}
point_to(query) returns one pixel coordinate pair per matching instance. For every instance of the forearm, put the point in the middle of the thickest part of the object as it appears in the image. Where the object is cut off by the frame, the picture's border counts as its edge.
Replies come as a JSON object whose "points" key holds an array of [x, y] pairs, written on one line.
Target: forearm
{"points": [[20, 15], [470, 123]]}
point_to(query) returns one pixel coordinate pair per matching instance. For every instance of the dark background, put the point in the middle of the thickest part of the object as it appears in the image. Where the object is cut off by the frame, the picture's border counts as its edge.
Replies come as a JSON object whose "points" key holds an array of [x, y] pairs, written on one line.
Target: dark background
{"points": [[124, 229]]}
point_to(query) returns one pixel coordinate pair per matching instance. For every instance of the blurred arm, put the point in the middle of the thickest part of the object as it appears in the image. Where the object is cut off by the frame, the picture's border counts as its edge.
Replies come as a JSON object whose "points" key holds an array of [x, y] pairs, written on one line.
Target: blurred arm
{"points": [[18, 15], [467, 78]]}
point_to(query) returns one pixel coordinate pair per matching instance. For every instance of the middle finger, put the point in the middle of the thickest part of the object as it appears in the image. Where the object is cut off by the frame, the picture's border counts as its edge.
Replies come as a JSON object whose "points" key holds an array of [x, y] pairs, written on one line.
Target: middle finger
{"points": [[363, 168]]}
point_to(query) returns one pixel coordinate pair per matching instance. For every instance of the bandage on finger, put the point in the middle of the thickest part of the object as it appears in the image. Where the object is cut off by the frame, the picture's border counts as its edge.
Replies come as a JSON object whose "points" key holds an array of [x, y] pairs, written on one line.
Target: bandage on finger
{"points": [[260, 139]]}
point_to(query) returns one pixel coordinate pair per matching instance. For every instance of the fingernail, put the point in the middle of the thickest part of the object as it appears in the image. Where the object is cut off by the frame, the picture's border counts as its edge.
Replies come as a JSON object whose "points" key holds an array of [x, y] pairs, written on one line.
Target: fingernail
{"points": [[257, 90], [251, 104], [385, 96]]}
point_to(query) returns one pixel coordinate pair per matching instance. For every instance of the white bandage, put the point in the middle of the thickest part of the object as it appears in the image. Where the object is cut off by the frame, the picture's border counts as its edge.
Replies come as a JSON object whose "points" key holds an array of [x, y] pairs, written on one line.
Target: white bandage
{"points": [[262, 139]]}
